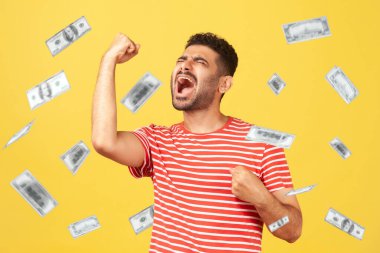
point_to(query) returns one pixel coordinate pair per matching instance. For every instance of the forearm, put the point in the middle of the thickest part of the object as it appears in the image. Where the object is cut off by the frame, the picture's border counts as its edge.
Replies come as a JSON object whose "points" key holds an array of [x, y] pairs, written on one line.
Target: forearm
{"points": [[104, 118], [272, 210]]}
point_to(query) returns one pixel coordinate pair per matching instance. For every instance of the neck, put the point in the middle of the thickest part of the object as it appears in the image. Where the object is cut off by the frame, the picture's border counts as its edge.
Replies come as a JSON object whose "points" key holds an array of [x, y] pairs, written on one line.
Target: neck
{"points": [[204, 121]]}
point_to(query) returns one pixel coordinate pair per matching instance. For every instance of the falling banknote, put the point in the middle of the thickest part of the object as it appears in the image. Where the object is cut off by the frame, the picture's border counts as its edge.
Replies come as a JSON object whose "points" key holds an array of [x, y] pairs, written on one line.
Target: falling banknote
{"points": [[306, 30], [269, 136], [300, 190], [343, 223], [84, 226], [340, 82], [142, 220], [75, 156], [339, 147], [276, 83], [20, 134], [47, 90], [141, 92], [68, 35], [33, 192], [279, 223]]}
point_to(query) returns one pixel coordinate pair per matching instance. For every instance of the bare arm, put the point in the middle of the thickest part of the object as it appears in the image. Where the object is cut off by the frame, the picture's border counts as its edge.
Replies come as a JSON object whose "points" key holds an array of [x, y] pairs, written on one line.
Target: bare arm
{"points": [[278, 205], [120, 146], [271, 207]]}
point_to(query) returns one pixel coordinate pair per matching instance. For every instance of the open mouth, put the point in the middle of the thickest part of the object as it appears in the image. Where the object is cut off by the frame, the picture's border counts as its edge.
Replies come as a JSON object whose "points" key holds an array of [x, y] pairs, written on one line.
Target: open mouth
{"points": [[185, 84]]}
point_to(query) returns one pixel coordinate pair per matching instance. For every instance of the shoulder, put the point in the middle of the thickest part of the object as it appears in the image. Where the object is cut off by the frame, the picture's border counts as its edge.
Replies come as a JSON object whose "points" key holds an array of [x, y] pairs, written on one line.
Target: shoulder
{"points": [[154, 129], [240, 124], [241, 128]]}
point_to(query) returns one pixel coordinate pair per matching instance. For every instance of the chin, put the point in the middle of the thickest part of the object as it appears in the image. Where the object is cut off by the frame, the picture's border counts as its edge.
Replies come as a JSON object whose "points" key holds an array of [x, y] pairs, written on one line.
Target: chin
{"points": [[182, 105]]}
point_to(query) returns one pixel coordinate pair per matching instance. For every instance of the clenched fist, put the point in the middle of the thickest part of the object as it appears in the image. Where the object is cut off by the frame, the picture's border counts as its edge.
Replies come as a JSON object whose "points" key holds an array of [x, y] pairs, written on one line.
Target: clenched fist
{"points": [[122, 49], [247, 186]]}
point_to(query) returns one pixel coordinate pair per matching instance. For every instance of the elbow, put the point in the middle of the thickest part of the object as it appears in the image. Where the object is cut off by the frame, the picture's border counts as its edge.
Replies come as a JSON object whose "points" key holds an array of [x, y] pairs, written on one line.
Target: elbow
{"points": [[101, 146], [293, 237], [296, 231]]}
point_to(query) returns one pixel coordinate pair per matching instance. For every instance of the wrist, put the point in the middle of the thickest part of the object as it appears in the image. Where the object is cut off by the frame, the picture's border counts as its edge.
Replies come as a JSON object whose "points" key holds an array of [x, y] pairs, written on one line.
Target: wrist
{"points": [[109, 58]]}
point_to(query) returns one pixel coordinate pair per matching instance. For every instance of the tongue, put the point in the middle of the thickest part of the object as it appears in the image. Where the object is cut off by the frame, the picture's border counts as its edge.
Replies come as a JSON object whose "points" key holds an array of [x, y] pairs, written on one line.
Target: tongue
{"points": [[185, 87], [186, 91]]}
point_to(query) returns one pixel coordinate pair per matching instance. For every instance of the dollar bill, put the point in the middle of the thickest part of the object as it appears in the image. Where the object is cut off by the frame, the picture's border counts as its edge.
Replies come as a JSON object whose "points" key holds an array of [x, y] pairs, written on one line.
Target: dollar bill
{"points": [[20, 134], [47, 90], [84, 226], [34, 193], [306, 30], [342, 84], [141, 92], [339, 147], [301, 190], [345, 224], [269, 136], [142, 220], [279, 223], [276, 83], [68, 35], [75, 156]]}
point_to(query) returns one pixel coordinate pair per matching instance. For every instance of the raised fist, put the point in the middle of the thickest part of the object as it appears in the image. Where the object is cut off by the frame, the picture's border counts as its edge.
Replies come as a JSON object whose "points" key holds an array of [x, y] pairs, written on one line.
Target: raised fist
{"points": [[122, 49]]}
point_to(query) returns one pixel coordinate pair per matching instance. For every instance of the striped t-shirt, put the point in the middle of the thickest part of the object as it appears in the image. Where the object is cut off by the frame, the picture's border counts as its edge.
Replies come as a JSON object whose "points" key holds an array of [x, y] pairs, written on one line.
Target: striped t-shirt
{"points": [[194, 208]]}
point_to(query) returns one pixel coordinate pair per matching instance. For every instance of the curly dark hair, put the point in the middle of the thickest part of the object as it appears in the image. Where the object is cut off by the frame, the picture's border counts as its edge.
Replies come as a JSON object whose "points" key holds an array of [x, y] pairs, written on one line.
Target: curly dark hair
{"points": [[228, 56]]}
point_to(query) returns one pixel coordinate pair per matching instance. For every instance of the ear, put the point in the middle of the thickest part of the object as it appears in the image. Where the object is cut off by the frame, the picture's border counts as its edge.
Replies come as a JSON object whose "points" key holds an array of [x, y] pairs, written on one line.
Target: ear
{"points": [[225, 84]]}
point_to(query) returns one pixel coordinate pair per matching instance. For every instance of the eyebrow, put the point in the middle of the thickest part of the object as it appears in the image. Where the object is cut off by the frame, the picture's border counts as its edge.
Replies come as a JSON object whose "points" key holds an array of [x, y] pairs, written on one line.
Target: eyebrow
{"points": [[182, 57]]}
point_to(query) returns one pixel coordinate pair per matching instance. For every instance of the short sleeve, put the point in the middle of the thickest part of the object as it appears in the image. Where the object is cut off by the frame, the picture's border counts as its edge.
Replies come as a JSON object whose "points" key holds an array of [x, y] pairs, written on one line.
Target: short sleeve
{"points": [[146, 169], [275, 172]]}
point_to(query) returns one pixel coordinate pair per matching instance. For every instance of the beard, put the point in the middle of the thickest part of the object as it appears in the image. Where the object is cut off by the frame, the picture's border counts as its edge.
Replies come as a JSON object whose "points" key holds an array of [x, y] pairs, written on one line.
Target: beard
{"points": [[201, 98]]}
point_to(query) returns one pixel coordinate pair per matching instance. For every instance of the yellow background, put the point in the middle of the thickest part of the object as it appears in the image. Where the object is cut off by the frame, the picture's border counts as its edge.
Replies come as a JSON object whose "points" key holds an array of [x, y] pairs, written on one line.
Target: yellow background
{"points": [[308, 107]]}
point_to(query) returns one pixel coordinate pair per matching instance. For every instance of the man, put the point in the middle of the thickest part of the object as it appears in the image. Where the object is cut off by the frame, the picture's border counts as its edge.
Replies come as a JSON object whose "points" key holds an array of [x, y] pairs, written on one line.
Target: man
{"points": [[44, 91], [70, 33], [213, 189], [347, 226]]}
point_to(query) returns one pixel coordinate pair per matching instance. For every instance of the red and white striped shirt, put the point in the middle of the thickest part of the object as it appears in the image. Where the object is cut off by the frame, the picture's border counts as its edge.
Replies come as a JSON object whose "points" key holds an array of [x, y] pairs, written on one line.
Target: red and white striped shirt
{"points": [[194, 208]]}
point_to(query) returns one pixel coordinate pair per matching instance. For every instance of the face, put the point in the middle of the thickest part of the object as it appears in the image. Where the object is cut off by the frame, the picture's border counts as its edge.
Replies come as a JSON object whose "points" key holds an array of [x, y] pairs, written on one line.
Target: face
{"points": [[45, 90], [346, 225], [195, 79], [69, 33]]}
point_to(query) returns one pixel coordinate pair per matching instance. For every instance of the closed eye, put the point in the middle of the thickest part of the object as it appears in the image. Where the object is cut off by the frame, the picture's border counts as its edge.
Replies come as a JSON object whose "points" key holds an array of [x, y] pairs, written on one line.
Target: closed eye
{"points": [[181, 59], [200, 60], [196, 59]]}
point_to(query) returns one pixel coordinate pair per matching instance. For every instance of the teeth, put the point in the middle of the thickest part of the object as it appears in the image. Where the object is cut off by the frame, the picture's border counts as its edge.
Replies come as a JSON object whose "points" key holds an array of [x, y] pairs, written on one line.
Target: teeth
{"points": [[185, 77]]}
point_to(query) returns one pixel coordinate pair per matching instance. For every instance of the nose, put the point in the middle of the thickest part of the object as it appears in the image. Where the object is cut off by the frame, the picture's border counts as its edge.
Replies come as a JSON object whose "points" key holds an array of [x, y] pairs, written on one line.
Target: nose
{"points": [[185, 66]]}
